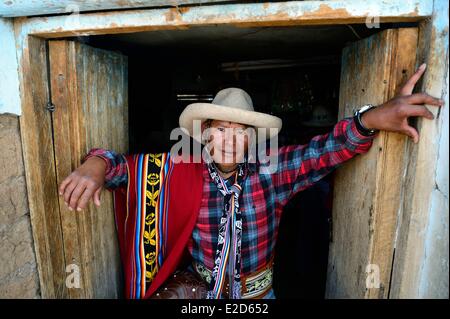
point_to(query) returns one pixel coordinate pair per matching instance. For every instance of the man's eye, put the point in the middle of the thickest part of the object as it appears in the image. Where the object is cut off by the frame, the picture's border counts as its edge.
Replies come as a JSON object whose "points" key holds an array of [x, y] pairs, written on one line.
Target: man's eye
{"points": [[221, 129]]}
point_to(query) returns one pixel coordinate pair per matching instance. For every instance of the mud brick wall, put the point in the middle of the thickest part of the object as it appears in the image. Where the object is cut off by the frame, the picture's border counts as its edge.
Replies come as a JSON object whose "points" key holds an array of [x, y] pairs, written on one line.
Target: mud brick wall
{"points": [[18, 271]]}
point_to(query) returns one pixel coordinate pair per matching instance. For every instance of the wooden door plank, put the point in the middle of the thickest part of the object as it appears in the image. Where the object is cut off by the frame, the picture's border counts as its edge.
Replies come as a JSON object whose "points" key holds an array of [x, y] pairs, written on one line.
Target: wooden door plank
{"points": [[104, 130], [391, 173], [66, 125], [36, 132], [85, 117], [368, 190]]}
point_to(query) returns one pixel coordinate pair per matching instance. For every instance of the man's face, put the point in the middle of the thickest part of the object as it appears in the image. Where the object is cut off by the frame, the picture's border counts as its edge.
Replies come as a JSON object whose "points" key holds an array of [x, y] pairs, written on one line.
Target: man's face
{"points": [[228, 142]]}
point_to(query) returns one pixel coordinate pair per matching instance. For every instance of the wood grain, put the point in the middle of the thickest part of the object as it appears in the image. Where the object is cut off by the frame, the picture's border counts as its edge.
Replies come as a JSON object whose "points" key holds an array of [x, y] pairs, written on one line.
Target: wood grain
{"points": [[88, 90], [368, 189], [36, 131]]}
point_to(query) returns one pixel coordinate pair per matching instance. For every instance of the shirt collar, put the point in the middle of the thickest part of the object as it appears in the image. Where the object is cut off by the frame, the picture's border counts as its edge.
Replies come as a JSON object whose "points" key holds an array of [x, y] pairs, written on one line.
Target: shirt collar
{"points": [[250, 169]]}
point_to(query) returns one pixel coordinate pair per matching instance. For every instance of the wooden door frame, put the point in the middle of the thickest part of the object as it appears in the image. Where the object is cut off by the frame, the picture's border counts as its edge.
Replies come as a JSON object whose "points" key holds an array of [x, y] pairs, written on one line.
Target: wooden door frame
{"points": [[31, 34]]}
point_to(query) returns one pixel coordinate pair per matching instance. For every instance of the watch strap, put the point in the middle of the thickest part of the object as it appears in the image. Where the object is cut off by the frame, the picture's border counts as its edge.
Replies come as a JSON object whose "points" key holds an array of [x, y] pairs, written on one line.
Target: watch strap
{"points": [[358, 123]]}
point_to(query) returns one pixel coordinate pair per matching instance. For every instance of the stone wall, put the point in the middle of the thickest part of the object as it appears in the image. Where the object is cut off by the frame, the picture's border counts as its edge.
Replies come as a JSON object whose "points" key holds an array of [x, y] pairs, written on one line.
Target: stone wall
{"points": [[18, 271]]}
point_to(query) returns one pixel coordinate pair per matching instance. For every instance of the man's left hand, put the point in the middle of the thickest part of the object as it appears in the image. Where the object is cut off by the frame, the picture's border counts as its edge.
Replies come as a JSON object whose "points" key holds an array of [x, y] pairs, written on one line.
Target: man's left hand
{"points": [[393, 115]]}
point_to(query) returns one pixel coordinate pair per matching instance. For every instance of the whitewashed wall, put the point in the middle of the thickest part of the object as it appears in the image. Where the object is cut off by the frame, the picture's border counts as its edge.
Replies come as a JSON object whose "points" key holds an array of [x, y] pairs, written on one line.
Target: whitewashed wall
{"points": [[9, 77], [21, 8]]}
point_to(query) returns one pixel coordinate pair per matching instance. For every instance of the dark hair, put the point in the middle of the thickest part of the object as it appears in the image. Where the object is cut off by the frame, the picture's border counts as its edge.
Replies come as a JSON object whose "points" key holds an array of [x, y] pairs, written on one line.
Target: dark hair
{"points": [[209, 121]]}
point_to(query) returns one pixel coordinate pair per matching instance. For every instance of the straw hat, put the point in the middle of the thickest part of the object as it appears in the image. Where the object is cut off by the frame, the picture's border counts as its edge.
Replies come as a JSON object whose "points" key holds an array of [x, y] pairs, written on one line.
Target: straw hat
{"points": [[233, 105]]}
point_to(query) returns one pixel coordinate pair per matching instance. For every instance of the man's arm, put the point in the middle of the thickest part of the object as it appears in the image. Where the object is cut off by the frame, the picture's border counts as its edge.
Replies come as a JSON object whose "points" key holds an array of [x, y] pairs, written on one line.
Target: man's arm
{"points": [[300, 166], [100, 168], [116, 174]]}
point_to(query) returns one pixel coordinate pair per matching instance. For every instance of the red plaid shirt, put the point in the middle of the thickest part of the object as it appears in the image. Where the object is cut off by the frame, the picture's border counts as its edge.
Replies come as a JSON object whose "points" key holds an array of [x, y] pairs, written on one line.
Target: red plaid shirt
{"points": [[263, 195]]}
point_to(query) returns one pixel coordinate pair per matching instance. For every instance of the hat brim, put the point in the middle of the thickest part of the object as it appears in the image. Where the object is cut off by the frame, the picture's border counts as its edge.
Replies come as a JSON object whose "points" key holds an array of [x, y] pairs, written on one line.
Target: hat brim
{"points": [[205, 111]]}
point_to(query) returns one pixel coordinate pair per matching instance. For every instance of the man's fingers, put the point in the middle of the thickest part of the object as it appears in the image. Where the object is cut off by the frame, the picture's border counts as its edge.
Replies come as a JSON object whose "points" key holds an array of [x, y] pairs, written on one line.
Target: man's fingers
{"points": [[64, 183], [412, 132], [84, 199], [97, 196], [423, 98], [69, 189], [419, 110], [76, 195], [409, 85]]}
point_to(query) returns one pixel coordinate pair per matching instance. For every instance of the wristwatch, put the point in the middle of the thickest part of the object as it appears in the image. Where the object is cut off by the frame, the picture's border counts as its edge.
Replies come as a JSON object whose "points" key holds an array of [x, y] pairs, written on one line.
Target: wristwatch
{"points": [[357, 117]]}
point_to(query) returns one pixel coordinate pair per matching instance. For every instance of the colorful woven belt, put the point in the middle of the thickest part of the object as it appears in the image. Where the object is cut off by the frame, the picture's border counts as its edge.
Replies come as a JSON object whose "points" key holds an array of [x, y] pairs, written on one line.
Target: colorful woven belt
{"points": [[254, 286]]}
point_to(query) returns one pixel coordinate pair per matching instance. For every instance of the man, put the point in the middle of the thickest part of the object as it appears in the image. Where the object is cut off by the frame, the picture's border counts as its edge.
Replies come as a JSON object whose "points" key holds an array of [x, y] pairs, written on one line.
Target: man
{"points": [[224, 211]]}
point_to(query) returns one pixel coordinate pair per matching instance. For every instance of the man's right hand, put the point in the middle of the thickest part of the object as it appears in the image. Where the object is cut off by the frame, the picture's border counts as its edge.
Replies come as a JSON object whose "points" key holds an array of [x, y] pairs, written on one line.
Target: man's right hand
{"points": [[84, 183]]}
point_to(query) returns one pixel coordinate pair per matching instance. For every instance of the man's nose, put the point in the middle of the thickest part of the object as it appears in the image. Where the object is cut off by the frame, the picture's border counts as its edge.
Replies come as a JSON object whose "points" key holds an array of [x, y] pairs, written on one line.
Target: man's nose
{"points": [[230, 138]]}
